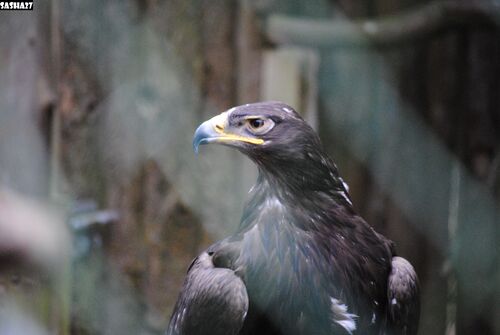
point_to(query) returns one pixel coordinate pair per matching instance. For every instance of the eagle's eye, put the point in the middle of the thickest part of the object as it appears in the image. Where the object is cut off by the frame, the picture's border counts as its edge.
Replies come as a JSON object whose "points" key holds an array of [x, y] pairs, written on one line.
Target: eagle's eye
{"points": [[259, 126], [256, 123]]}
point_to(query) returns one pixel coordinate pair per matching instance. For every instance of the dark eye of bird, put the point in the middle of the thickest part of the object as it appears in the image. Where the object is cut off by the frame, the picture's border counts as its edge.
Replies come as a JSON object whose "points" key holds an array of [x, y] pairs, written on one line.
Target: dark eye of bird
{"points": [[259, 126], [256, 123]]}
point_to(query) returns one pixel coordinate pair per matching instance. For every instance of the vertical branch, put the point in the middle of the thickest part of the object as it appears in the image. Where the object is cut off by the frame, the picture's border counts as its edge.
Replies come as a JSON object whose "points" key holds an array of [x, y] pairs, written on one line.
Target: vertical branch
{"points": [[55, 52], [453, 217], [61, 310]]}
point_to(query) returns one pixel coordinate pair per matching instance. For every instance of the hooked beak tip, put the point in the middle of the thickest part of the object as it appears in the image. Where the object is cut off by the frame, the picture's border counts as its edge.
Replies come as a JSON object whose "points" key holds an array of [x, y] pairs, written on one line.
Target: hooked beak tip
{"points": [[202, 135]]}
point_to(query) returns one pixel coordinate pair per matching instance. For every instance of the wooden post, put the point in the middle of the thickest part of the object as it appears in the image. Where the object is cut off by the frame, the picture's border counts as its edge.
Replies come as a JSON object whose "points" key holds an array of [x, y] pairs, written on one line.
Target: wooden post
{"points": [[290, 75]]}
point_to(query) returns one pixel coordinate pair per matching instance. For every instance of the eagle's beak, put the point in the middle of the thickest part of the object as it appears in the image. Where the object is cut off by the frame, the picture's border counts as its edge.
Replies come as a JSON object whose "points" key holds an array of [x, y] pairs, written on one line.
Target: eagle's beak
{"points": [[216, 130]]}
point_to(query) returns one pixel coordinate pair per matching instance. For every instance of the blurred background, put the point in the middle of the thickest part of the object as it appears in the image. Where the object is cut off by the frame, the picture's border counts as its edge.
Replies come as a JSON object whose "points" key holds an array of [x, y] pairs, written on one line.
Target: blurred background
{"points": [[103, 203]]}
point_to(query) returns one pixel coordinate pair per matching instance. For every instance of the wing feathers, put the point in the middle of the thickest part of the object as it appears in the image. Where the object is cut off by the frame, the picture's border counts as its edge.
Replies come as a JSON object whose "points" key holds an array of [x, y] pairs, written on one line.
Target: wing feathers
{"points": [[403, 294], [213, 301]]}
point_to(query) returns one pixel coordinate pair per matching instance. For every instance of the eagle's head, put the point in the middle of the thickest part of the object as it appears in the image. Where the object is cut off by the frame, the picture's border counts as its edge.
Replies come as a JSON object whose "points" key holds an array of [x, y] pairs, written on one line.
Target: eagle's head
{"points": [[276, 137], [264, 131]]}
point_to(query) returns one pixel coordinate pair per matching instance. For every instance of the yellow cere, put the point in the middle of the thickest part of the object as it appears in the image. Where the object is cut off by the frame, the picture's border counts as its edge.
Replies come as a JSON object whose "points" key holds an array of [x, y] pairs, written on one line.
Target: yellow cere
{"points": [[219, 122]]}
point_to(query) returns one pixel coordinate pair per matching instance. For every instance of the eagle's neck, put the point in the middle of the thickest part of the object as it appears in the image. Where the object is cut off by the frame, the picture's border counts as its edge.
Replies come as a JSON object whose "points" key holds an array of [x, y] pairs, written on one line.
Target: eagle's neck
{"points": [[307, 174], [309, 169], [306, 197]]}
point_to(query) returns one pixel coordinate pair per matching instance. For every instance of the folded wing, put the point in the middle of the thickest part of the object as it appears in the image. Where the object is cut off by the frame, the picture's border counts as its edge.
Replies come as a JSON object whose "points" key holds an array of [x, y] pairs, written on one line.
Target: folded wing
{"points": [[404, 302], [213, 301]]}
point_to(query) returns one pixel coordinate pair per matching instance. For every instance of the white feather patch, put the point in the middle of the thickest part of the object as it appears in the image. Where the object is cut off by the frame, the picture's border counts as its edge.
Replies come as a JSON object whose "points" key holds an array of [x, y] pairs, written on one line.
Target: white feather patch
{"points": [[346, 197], [345, 184], [341, 316]]}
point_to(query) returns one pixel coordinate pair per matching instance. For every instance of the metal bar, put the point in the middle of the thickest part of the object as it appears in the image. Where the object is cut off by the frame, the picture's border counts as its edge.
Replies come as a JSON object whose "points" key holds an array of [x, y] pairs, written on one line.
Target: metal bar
{"points": [[409, 25]]}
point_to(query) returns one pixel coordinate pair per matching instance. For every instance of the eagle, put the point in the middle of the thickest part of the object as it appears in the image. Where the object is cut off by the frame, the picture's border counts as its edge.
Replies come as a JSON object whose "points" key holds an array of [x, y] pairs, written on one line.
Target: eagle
{"points": [[302, 261]]}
